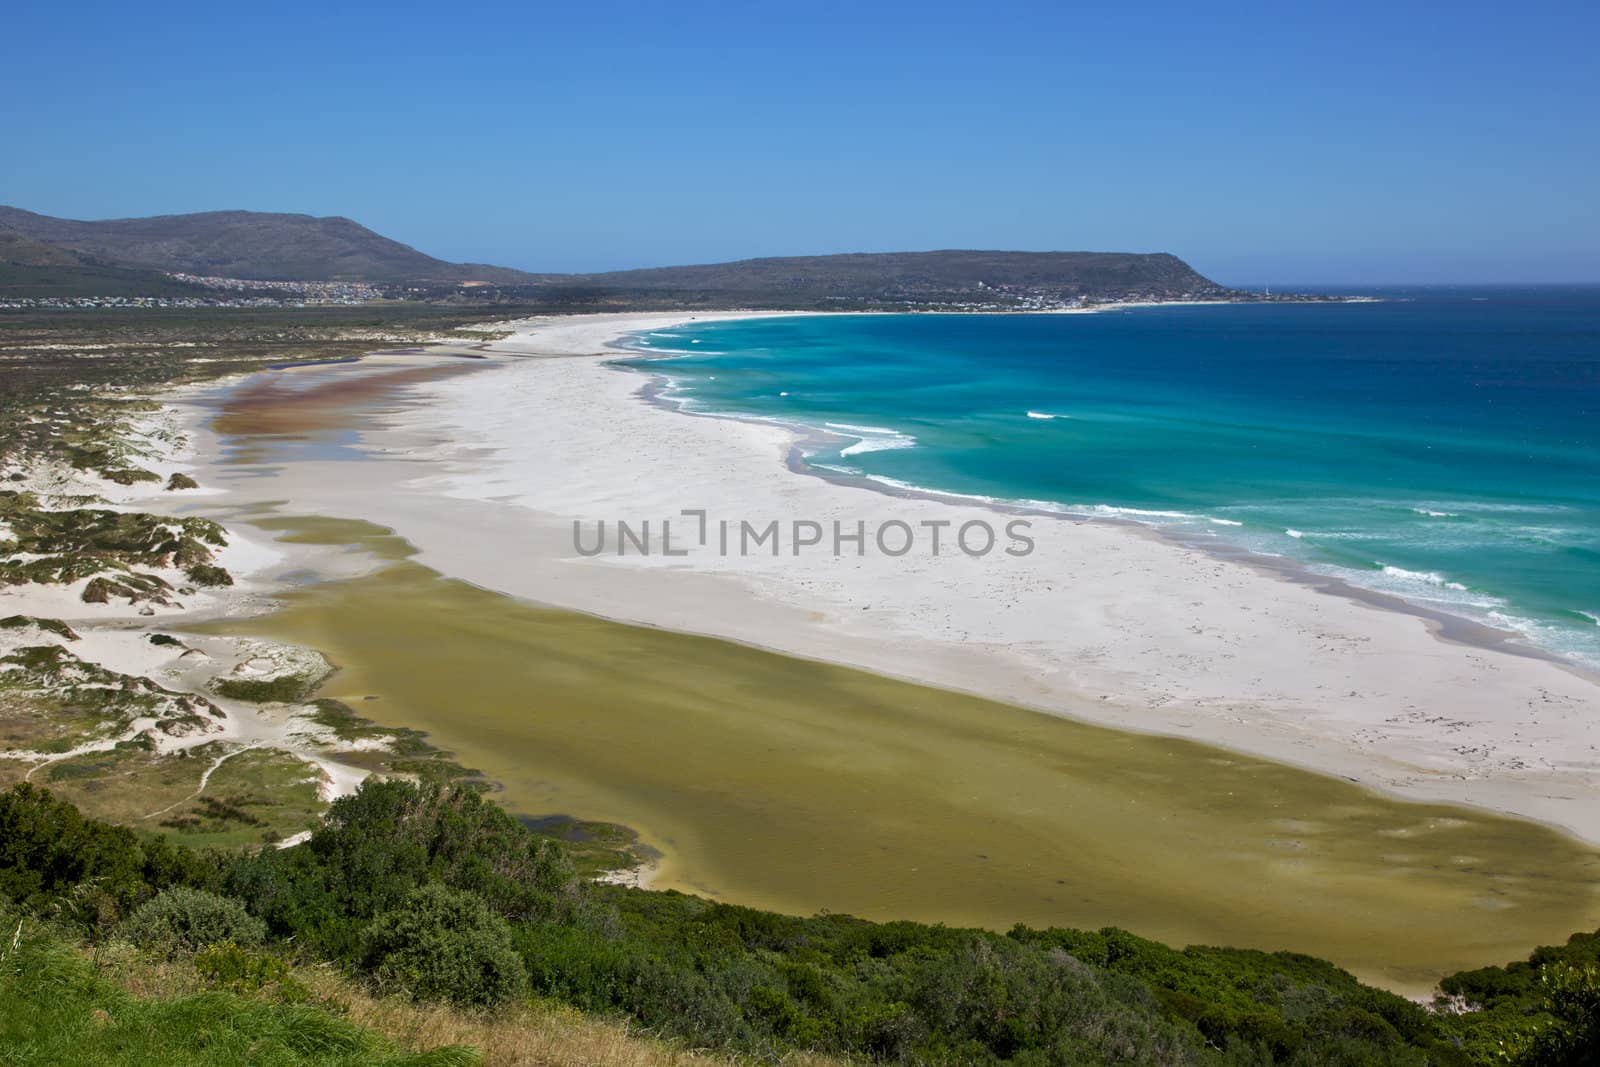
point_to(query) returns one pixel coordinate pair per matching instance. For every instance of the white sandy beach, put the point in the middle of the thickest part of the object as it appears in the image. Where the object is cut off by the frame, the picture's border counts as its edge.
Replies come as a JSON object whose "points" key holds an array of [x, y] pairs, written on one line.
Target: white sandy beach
{"points": [[486, 473]]}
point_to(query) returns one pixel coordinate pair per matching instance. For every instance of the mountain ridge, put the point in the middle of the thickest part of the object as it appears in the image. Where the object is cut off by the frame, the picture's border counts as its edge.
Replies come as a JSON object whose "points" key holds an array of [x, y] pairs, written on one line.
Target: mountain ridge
{"points": [[251, 246], [283, 247]]}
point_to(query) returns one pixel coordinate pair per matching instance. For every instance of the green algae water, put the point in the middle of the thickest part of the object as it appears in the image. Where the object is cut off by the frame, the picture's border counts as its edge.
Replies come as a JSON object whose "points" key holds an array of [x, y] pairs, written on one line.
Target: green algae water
{"points": [[800, 786]]}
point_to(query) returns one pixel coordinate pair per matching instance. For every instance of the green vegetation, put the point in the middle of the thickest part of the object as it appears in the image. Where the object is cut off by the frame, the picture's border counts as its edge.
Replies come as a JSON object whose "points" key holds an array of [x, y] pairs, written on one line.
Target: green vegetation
{"points": [[999, 279], [436, 892], [284, 689], [1545, 1010], [225, 965], [254, 796], [51, 857], [55, 1009], [235, 244], [52, 626], [443, 944], [133, 538], [74, 379], [409, 752], [105, 546], [1572, 1036], [179, 919], [51, 701], [70, 279]]}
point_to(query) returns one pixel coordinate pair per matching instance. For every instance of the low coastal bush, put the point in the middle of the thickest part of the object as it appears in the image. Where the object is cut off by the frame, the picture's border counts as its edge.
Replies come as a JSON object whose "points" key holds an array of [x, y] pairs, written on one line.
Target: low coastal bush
{"points": [[435, 891], [225, 965], [129, 475], [285, 689], [53, 626], [186, 920], [373, 848], [443, 944], [208, 574]]}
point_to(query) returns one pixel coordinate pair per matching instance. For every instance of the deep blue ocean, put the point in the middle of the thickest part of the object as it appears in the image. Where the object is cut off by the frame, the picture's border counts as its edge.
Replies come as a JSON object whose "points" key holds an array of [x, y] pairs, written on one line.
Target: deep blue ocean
{"points": [[1443, 444]]}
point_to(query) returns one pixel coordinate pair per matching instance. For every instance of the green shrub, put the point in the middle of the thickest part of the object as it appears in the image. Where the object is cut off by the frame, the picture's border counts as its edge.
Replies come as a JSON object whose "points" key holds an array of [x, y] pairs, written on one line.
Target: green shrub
{"points": [[51, 855], [54, 626], [1571, 1037], [208, 574], [130, 475], [375, 847], [227, 966], [285, 689], [443, 944], [181, 919]]}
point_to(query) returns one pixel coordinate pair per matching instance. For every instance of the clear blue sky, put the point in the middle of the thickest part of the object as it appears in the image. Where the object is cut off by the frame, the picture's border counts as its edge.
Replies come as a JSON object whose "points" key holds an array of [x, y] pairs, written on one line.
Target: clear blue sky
{"points": [[1355, 142]]}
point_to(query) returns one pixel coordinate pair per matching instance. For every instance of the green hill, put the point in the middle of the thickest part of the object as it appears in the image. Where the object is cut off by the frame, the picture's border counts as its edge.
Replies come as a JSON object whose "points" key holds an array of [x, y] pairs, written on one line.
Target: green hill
{"points": [[252, 245], [40, 255], [908, 275]]}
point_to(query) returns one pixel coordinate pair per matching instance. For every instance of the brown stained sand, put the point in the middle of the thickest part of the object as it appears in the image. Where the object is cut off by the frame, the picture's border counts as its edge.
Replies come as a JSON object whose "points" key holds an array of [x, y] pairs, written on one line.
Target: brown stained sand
{"points": [[300, 403], [800, 786]]}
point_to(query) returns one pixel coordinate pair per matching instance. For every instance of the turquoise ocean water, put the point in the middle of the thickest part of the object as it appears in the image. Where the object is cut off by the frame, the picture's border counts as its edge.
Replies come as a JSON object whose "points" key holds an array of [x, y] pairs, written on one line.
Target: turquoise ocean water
{"points": [[1442, 445]]}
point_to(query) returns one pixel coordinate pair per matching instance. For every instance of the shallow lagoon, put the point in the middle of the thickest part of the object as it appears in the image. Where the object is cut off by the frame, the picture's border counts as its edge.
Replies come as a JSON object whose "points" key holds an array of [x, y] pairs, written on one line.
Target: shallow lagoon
{"points": [[801, 786]]}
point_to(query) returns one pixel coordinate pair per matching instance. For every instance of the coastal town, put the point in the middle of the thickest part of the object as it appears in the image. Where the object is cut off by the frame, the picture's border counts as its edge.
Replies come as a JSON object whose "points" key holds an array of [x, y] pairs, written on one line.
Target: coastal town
{"points": [[219, 292]]}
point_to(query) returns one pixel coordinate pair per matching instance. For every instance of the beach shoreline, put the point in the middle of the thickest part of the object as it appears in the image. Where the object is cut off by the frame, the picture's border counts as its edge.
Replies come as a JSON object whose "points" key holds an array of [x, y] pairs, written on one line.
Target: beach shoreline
{"points": [[1444, 624], [347, 477], [1383, 701]]}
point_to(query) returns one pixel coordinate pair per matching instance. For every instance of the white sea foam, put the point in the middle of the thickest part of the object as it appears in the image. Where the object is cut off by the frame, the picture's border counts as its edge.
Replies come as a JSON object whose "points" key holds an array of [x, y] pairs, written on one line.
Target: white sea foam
{"points": [[1226, 522], [1135, 513], [1487, 507], [879, 444], [871, 438], [1296, 534], [1425, 577], [1566, 641], [1591, 616], [1046, 415], [849, 427], [1422, 586], [912, 487], [1430, 513], [1435, 589]]}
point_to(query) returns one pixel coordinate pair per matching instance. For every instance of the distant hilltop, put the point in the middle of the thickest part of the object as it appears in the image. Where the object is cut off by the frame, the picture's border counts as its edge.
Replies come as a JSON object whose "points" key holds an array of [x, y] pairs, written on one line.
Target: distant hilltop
{"points": [[248, 245], [184, 255], [950, 276]]}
